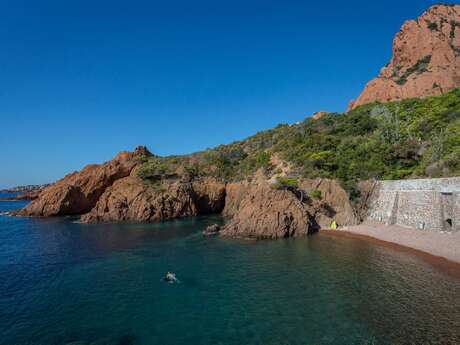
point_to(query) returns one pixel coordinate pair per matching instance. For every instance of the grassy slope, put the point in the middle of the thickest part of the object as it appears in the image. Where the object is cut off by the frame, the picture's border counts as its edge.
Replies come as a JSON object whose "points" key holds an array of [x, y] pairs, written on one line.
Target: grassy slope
{"points": [[411, 138]]}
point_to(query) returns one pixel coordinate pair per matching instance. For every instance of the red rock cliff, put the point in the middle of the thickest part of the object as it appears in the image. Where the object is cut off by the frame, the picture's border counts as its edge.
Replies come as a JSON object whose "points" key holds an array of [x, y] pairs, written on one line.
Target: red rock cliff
{"points": [[113, 191], [425, 62], [78, 192]]}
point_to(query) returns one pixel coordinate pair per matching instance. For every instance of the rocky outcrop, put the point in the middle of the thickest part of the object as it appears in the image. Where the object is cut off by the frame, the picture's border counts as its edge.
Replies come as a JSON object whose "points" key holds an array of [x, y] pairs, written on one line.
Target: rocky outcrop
{"points": [[332, 203], [130, 199], [425, 62], [319, 114], [258, 210], [78, 192], [234, 195], [261, 212], [114, 192], [209, 195], [211, 230], [366, 190]]}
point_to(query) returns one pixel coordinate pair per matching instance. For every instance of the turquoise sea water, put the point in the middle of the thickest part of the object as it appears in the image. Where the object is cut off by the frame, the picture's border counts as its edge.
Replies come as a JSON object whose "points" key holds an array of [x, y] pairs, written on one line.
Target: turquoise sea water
{"points": [[62, 282]]}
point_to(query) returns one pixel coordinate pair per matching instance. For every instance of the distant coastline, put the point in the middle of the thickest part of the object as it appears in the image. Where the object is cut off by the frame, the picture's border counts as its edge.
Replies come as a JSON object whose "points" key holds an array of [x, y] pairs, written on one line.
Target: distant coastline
{"points": [[25, 188], [27, 192]]}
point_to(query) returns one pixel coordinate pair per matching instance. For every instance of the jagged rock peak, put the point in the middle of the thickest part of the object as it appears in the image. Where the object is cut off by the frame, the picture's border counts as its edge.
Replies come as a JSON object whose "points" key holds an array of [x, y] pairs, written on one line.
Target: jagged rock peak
{"points": [[142, 151], [425, 61]]}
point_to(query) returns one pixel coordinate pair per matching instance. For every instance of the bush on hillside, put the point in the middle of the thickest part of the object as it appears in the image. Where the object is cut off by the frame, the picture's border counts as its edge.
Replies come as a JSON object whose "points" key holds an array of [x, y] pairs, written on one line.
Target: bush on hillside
{"points": [[410, 138]]}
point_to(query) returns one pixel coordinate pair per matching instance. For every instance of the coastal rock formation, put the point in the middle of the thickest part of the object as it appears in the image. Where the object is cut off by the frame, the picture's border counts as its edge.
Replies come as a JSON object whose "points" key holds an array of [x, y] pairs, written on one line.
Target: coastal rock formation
{"points": [[259, 208], [211, 230], [333, 202], [366, 189], [78, 192], [130, 199], [425, 62], [209, 195], [234, 195], [261, 212]]}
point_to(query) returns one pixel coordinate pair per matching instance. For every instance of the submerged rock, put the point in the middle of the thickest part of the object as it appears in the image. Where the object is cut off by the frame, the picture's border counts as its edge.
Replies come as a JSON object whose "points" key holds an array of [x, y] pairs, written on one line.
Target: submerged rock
{"points": [[211, 230]]}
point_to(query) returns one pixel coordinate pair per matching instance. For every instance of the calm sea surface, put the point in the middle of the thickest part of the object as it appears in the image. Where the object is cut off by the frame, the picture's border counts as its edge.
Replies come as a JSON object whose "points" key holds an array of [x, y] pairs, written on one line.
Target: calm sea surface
{"points": [[63, 282]]}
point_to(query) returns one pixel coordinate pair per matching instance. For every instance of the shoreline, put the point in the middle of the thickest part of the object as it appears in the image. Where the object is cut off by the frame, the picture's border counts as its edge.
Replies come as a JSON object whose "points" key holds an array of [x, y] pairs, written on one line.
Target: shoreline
{"points": [[439, 249]]}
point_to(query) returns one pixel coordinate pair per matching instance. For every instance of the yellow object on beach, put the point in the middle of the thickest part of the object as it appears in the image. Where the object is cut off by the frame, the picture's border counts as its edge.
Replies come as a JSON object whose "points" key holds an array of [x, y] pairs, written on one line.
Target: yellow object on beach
{"points": [[334, 225]]}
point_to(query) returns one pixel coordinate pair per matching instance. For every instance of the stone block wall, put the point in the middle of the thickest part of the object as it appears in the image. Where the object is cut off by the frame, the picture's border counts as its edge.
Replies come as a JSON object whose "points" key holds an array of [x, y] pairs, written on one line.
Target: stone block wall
{"points": [[426, 204]]}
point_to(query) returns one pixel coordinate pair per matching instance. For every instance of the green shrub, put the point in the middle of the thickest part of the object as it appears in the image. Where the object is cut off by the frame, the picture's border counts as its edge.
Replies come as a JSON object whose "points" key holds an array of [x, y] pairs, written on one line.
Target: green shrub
{"points": [[432, 26], [419, 67], [286, 182], [316, 194]]}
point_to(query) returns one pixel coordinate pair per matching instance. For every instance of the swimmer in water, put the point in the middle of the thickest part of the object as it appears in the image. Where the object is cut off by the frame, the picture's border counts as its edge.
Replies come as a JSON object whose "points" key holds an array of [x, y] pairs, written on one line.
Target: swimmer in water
{"points": [[171, 278]]}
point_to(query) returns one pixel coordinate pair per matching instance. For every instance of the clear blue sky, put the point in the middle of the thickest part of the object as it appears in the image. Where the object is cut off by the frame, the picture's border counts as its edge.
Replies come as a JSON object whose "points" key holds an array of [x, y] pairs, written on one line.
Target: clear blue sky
{"points": [[82, 80]]}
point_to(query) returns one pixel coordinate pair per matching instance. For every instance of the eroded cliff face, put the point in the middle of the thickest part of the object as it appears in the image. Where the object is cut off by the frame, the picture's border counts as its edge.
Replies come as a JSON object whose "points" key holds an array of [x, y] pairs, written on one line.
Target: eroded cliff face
{"points": [[130, 199], [334, 203], [258, 210], [78, 192], [112, 192], [425, 62], [262, 212]]}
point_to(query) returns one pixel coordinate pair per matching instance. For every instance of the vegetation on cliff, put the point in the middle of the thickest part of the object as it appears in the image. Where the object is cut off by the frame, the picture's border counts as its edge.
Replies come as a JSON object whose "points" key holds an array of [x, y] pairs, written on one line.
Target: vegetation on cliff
{"points": [[410, 138]]}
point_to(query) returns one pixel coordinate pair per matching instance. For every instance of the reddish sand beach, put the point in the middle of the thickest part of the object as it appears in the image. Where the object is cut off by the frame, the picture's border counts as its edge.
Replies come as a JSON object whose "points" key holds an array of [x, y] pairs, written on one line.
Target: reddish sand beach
{"points": [[441, 244]]}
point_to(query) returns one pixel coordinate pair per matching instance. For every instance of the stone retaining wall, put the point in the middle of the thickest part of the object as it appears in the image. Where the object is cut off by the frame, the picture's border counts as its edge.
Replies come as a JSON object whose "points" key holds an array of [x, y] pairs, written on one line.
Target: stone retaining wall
{"points": [[426, 204]]}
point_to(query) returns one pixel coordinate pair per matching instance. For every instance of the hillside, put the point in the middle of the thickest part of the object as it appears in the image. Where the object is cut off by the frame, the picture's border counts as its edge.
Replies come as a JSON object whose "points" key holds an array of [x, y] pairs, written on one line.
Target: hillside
{"points": [[396, 140]]}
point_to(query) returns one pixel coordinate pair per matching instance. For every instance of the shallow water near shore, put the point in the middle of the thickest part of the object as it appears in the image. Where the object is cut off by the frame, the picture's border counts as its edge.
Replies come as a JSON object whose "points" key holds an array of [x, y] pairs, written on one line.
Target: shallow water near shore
{"points": [[64, 282]]}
